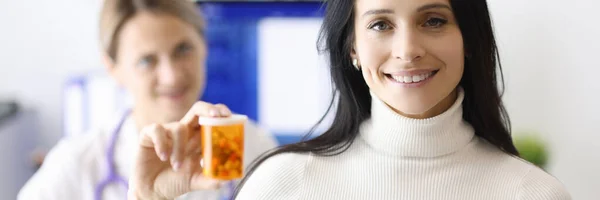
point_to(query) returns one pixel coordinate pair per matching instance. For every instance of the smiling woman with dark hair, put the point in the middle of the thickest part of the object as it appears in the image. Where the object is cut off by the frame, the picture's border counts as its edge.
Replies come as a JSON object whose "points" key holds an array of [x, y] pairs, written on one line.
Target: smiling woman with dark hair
{"points": [[419, 112]]}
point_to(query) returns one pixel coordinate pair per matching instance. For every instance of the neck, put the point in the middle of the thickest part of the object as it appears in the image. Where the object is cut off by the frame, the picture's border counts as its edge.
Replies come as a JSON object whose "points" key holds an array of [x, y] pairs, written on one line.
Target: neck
{"points": [[393, 134], [438, 109]]}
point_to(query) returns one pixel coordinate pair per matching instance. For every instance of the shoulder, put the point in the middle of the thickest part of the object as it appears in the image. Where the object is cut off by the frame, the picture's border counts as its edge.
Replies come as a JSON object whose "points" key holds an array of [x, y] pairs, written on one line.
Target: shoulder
{"points": [[80, 148], [64, 167], [77, 149], [277, 177], [285, 163], [533, 183], [491, 156], [540, 185]]}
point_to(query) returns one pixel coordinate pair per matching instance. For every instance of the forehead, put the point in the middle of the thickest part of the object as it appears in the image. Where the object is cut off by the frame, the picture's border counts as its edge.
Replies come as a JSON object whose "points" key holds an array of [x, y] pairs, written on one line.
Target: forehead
{"points": [[148, 30], [398, 6]]}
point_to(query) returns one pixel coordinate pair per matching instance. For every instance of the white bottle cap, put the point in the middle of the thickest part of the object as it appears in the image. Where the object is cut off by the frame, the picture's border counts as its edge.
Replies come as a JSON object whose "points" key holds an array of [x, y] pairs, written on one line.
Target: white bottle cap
{"points": [[223, 121]]}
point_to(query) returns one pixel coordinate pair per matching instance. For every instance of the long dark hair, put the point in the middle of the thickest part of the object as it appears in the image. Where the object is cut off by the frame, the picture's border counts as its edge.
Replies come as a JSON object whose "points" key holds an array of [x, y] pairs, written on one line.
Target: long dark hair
{"points": [[482, 105]]}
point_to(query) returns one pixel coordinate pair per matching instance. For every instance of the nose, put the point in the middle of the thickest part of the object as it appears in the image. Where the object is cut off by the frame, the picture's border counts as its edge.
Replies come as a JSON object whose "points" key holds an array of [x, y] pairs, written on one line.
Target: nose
{"points": [[407, 46], [170, 74]]}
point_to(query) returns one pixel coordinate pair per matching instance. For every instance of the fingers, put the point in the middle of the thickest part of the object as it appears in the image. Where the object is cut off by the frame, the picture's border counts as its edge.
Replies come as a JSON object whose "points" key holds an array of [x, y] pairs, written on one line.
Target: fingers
{"points": [[180, 135], [172, 142], [155, 136], [200, 182], [191, 164], [223, 110], [204, 109], [192, 155], [194, 147]]}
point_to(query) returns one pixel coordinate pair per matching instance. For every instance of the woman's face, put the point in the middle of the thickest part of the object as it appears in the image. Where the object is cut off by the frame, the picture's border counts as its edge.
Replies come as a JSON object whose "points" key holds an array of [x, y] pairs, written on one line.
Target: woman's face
{"points": [[161, 62], [410, 53]]}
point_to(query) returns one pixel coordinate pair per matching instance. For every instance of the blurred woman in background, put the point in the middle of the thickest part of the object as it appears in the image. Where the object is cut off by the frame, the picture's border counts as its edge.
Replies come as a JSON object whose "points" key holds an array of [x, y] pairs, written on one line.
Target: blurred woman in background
{"points": [[156, 50]]}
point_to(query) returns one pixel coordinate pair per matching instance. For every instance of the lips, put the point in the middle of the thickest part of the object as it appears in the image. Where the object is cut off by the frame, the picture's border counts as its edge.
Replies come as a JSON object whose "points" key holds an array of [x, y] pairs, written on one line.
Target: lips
{"points": [[174, 93], [412, 76]]}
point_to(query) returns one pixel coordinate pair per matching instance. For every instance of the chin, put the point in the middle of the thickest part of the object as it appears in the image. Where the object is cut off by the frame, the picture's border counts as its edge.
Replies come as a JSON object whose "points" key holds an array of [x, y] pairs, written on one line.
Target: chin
{"points": [[174, 111], [171, 115]]}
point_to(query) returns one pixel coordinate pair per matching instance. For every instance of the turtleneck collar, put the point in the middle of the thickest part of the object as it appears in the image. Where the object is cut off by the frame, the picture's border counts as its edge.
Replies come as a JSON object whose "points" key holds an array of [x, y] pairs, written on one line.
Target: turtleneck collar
{"points": [[391, 133]]}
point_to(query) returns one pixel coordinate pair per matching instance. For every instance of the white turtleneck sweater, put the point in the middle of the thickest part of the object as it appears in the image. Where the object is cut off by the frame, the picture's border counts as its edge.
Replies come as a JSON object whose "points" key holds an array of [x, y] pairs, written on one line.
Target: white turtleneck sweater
{"points": [[395, 157]]}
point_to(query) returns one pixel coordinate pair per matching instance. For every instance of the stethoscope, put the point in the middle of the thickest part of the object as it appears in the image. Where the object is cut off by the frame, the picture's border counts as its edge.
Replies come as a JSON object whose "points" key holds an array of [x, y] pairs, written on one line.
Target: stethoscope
{"points": [[114, 177]]}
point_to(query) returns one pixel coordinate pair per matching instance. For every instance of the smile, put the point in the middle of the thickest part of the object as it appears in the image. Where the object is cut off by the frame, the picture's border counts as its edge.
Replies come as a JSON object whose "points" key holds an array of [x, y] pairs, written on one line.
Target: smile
{"points": [[412, 79], [174, 94]]}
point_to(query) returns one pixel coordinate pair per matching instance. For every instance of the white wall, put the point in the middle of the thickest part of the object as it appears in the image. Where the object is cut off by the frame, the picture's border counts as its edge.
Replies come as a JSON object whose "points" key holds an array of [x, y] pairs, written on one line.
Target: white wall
{"points": [[549, 51], [41, 43], [304, 83]]}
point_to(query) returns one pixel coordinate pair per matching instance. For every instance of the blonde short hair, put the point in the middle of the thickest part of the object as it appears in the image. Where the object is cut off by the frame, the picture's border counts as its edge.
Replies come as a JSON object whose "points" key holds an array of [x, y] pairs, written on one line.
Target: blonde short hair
{"points": [[115, 13]]}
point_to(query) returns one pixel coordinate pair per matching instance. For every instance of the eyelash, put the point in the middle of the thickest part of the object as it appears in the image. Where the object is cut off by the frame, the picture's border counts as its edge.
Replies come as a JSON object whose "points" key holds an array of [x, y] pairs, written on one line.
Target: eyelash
{"points": [[378, 24], [184, 48], [439, 22], [434, 22], [146, 62]]}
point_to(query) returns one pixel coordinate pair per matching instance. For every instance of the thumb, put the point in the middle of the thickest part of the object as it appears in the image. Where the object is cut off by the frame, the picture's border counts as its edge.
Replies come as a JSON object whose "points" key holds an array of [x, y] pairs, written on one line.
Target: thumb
{"points": [[199, 182]]}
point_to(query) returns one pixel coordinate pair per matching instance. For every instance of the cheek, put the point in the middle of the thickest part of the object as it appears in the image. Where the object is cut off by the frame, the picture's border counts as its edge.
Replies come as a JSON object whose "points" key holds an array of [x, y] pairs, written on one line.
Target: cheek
{"points": [[372, 53], [202, 75], [147, 88], [195, 69], [141, 84], [451, 52], [199, 62]]}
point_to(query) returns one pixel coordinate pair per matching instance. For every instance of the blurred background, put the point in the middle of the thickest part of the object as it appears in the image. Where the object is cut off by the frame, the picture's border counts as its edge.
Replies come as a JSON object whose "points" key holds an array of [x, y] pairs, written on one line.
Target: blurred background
{"points": [[52, 82]]}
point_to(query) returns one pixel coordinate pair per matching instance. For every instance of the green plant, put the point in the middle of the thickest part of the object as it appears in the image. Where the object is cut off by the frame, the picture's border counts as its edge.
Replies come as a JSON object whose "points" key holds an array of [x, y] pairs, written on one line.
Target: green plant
{"points": [[532, 148]]}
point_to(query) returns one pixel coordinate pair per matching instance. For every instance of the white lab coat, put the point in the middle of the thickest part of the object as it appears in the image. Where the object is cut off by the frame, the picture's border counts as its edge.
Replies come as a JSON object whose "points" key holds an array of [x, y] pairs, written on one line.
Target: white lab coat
{"points": [[76, 165]]}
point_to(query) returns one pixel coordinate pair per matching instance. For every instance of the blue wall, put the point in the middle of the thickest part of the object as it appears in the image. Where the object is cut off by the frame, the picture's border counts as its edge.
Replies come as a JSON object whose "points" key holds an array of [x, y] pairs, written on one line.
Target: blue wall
{"points": [[232, 58]]}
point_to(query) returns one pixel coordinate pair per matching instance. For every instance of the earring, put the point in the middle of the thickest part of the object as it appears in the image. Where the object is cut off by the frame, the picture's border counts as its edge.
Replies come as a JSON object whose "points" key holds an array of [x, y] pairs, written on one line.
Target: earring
{"points": [[355, 63]]}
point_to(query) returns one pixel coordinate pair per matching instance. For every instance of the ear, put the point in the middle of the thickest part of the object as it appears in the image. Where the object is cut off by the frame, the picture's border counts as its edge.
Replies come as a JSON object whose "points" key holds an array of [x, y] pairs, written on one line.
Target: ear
{"points": [[111, 68], [354, 57], [353, 52]]}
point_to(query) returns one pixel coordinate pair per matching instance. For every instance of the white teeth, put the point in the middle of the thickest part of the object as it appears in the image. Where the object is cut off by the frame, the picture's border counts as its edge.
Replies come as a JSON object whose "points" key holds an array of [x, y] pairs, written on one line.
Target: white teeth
{"points": [[412, 79], [416, 78]]}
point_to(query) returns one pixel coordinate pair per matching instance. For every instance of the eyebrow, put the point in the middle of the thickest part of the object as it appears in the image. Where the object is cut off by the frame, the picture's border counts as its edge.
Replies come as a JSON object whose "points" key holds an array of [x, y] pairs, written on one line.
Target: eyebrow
{"points": [[378, 11], [433, 6], [420, 9]]}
